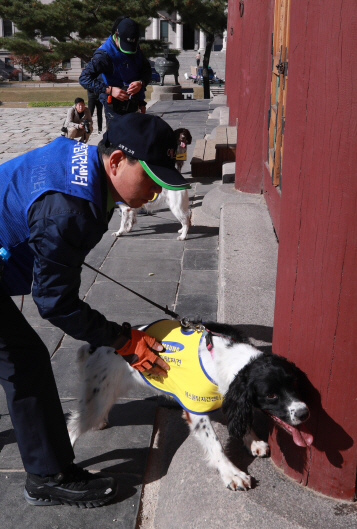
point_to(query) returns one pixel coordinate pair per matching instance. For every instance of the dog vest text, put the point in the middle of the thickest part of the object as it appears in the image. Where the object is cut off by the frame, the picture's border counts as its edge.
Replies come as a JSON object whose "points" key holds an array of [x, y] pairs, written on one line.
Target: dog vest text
{"points": [[187, 381]]}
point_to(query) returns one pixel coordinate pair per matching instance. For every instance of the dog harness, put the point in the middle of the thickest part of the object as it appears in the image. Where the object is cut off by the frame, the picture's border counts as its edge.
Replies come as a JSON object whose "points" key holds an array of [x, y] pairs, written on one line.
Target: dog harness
{"points": [[187, 380]]}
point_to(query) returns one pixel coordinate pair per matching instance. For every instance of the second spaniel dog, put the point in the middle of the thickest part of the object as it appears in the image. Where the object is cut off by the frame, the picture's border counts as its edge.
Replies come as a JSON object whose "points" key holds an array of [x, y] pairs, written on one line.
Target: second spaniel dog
{"points": [[184, 138], [176, 201]]}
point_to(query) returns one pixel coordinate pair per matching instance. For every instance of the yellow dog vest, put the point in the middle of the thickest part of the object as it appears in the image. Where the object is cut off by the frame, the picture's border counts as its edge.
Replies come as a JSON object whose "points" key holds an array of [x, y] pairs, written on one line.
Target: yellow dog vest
{"points": [[187, 381], [156, 196]]}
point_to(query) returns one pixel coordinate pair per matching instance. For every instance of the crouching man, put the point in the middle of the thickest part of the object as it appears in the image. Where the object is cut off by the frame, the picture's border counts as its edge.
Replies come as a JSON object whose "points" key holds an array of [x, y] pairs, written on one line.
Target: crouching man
{"points": [[79, 121]]}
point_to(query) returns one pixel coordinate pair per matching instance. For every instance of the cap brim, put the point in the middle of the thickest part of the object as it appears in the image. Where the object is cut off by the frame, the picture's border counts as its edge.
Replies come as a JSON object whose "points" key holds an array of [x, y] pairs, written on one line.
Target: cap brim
{"points": [[126, 47], [165, 177]]}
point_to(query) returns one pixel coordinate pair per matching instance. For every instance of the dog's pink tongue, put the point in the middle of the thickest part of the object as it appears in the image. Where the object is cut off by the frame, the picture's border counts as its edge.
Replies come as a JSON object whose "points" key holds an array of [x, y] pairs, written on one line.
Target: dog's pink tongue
{"points": [[301, 435], [182, 144]]}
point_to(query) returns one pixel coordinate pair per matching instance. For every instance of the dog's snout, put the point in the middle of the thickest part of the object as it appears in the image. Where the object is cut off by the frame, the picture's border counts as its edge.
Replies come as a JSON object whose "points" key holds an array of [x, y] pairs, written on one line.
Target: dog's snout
{"points": [[302, 414], [299, 412]]}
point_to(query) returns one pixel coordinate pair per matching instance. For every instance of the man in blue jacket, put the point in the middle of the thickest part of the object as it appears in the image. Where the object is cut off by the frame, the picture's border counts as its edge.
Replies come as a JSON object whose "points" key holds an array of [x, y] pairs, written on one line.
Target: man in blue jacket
{"points": [[118, 71], [55, 205]]}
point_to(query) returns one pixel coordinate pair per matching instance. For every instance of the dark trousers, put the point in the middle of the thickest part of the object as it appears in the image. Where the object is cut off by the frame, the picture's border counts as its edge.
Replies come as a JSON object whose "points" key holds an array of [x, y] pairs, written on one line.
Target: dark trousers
{"points": [[32, 397], [109, 114], [119, 108], [93, 102]]}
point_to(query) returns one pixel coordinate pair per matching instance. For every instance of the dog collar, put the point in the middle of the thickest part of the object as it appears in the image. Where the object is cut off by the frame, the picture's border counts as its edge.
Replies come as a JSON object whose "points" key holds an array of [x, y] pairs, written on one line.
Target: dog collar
{"points": [[208, 337], [209, 341]]}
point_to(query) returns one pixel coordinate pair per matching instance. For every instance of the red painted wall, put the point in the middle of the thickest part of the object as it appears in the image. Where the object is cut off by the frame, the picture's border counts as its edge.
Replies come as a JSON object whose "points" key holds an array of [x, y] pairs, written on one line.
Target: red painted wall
{"points": [[315, 216], [316, 296], [247, 67]]}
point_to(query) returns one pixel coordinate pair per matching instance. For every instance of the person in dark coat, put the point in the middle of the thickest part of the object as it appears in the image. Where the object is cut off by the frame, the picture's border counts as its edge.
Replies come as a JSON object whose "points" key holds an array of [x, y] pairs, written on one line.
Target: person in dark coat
{"points": [[118, 71], [56, 202]]}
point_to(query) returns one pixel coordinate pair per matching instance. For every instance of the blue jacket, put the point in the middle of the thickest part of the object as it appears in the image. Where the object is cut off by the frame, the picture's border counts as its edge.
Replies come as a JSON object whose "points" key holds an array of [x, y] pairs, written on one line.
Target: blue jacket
{"points": [[106, 62], [53, 212]]}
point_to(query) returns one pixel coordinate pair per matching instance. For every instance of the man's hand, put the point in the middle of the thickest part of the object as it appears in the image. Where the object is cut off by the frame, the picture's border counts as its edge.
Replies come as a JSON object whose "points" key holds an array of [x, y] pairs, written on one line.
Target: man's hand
{"points": [[120, 94], [138, 351], [143, 109], [134, 87]]}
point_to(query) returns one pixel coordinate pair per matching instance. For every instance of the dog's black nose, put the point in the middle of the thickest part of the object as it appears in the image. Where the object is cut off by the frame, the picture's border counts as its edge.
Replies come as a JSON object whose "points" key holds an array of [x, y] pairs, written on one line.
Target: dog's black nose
{"points": [[302, 414]]}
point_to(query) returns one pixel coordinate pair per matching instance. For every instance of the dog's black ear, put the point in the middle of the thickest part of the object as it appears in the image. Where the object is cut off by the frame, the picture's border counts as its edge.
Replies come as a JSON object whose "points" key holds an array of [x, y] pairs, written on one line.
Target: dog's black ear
{"points": [[238, 406], [189, 137], [177, 133]]}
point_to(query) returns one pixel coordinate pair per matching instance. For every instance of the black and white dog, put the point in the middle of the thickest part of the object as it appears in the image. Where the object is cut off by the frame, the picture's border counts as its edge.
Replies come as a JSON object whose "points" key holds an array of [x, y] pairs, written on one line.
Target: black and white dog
{"points": [[177, 201], [246, 378]]}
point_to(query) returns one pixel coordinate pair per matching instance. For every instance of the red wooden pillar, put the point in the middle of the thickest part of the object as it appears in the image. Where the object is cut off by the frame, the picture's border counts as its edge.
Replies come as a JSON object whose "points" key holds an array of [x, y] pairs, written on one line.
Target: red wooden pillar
{"points": [[248, 62], [315, 322]]}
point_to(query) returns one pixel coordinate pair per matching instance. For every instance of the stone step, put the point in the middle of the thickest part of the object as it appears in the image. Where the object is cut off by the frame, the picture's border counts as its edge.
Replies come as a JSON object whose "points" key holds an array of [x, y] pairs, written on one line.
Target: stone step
{"points": [[216, 90], [211, 153]]}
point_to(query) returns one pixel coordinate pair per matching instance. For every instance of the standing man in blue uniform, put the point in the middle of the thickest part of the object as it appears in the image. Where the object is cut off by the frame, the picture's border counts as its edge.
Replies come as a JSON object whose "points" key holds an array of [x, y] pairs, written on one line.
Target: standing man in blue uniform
{"points": [[55, 203], [124, 70]]}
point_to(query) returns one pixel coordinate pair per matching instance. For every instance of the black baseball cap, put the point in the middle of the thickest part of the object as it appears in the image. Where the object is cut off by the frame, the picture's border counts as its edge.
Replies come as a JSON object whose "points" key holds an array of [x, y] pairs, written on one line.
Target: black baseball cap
{"points": [[150, 140], [128, 35]]}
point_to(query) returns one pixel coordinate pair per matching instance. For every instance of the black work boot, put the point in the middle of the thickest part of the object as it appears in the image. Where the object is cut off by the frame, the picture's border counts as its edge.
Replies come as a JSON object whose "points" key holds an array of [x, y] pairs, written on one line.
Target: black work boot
{"points": [[74, 486]]}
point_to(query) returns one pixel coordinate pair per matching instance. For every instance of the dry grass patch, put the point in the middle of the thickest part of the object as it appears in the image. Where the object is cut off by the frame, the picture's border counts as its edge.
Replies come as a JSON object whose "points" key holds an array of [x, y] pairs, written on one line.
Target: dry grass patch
{"points": [[60, 96]]}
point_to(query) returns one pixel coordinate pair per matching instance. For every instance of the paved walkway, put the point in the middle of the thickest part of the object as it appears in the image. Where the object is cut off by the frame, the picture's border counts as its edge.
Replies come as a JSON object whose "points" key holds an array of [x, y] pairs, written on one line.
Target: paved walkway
{"points": [[164, 480], [22, 130], [150, 260]]}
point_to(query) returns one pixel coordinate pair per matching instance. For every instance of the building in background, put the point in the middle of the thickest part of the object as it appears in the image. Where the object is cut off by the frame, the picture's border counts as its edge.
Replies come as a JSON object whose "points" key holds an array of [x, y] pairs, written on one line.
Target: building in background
{"points": [[72, 67], [178, 36], [7, 29]]}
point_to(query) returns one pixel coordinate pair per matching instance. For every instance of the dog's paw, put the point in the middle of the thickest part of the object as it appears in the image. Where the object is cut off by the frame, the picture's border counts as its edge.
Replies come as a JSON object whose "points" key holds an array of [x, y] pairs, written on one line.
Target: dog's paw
{"points": [[117, 233], [233, 478], [183, 235], [103, 425], [259, 449], [238, 481]]}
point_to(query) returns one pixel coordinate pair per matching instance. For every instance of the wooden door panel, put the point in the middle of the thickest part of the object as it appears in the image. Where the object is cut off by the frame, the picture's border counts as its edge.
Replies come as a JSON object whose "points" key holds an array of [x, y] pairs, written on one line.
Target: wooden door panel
{"points": [[280, 53]]}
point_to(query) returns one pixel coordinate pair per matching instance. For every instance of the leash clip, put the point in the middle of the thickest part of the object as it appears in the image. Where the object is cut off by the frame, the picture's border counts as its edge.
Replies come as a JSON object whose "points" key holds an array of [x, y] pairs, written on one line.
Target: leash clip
{"points": [[186, 323]]}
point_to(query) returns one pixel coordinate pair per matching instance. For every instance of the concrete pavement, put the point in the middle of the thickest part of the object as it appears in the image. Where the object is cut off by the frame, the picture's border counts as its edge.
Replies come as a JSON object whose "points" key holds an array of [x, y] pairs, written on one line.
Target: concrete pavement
{"points": [[227, 265], [149, 260]]}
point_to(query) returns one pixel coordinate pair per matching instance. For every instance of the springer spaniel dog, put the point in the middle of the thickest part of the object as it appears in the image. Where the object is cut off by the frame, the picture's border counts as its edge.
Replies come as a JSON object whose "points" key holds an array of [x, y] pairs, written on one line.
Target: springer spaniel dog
{"points": [[184, 138], [177, 201], [210, 368]]}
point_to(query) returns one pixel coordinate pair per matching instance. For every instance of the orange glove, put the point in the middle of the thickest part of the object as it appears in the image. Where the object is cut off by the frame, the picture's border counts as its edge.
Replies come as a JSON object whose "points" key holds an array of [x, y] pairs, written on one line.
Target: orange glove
{"points": [[138, 353]]}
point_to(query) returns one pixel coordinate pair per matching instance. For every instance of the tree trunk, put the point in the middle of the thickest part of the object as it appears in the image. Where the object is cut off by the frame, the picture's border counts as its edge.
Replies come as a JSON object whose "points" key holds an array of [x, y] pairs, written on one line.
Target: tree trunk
{"points": [[205, 64]]}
